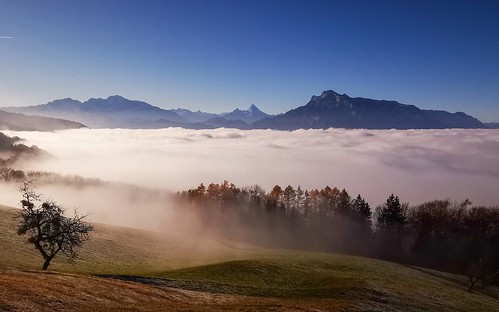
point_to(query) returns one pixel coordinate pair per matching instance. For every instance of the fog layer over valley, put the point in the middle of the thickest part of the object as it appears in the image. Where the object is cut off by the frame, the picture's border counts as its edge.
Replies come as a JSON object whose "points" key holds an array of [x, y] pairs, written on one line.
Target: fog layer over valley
{"points": [[417, 165]]}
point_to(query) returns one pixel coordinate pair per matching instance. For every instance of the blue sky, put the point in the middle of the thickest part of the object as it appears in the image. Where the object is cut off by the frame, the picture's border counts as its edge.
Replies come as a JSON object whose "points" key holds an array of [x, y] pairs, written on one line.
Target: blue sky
{"points": [[218, 55]]}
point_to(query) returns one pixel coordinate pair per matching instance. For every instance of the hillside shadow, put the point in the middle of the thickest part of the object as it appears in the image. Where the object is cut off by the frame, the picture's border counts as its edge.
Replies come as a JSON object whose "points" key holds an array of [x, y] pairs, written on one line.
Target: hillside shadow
{"points": [[490, 291]]}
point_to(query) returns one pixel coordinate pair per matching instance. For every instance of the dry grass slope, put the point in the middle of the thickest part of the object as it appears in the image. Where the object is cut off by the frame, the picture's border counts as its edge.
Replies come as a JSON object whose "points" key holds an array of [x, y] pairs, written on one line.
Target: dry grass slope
{"points": [[37, 291]]}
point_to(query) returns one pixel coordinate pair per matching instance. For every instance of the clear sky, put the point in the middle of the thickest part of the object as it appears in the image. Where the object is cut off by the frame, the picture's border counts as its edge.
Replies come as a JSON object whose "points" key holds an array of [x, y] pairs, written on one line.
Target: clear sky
{"points": [[218, 55]]}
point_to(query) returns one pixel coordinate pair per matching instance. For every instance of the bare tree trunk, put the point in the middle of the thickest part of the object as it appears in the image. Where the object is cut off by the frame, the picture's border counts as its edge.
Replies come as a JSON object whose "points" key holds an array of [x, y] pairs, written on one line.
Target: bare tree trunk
{"points": [[46, 263], [472, 283], [46, 257]]}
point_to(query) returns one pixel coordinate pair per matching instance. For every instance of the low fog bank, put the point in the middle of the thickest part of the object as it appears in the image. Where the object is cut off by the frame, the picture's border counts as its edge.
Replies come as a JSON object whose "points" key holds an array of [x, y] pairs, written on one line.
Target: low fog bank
{"points": [[113, 203], [417, 165]]}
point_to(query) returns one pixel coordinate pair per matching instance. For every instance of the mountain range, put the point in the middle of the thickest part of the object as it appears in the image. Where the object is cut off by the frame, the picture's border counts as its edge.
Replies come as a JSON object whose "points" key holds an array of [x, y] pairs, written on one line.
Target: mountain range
{"points": [[119, 112], [328, 110]]}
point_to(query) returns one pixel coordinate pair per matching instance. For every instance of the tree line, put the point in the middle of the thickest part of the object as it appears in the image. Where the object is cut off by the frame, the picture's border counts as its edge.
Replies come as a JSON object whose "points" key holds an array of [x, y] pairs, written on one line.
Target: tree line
{"points": [[441, 234]]}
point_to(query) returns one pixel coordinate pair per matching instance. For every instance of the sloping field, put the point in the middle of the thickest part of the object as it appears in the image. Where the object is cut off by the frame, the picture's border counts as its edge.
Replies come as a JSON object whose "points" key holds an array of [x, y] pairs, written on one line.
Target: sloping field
{"points": [[37, 291], [119, 250], [372, 285], [145, 271]]}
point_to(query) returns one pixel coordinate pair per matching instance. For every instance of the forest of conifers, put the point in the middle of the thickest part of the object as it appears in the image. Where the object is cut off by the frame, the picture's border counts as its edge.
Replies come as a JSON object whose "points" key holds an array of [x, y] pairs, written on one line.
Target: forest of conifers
{"points": [[442, 234]]}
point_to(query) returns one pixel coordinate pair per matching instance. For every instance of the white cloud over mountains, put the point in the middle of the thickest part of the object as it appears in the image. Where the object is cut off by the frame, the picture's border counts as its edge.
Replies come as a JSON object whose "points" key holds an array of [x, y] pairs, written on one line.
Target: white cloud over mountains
{"points": [[417, 165]]}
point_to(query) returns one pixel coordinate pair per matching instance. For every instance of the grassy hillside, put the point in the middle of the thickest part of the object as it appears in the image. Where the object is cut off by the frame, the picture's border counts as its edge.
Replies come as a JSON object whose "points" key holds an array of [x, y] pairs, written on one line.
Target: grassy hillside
{"points": [[371, 284], [146, 271], [118, 250]]}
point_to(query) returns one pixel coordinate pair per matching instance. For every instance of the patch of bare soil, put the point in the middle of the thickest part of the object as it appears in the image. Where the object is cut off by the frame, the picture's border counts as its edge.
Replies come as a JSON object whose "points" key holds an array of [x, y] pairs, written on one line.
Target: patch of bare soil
{"points": [[46, 291]]}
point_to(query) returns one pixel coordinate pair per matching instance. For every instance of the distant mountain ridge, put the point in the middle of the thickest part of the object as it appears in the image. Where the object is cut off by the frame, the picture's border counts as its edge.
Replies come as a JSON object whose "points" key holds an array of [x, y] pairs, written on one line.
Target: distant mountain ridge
{"points": [[328, 110], [119, 112], [193, 117], [250, 115], [113, 112], [334, 110]]}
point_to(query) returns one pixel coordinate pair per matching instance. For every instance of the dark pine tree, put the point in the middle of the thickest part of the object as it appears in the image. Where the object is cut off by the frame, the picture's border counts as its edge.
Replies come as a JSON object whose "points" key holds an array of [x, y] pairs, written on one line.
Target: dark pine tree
{"points": [[362, 213], [391, 224]]}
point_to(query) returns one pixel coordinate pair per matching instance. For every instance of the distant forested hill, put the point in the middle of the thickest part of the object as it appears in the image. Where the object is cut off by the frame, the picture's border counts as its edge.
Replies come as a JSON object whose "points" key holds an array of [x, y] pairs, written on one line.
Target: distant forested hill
{"points": [[20, 122], [11, 150]]}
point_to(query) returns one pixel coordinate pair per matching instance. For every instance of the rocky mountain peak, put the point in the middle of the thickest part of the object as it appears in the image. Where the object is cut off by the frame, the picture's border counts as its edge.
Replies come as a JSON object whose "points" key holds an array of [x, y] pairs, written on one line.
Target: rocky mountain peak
{"points": [[329, 93], [253, 108]]}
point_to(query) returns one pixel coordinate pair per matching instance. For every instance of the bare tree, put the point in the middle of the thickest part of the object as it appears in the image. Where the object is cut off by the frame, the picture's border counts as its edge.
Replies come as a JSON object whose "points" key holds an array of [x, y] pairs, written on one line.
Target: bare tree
{"points": [[475, 272], [48, 229], [9, 174]]}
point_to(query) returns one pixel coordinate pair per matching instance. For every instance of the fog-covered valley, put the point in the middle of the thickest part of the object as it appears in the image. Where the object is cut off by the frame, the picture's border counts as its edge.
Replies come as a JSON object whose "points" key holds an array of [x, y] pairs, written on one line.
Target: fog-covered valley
{"points": [[417, 165]]}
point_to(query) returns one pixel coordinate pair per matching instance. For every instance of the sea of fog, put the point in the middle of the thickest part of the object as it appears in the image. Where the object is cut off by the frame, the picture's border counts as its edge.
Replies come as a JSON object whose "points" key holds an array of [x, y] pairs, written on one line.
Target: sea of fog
{"points": [[416, 165]]}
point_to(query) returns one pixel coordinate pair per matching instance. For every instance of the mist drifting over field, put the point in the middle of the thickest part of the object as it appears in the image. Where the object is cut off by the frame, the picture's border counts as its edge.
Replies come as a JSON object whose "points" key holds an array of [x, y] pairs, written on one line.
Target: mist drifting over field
{"points": [[417, 165]]}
